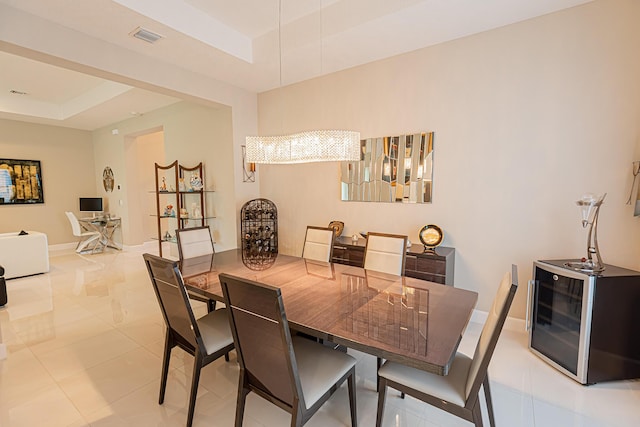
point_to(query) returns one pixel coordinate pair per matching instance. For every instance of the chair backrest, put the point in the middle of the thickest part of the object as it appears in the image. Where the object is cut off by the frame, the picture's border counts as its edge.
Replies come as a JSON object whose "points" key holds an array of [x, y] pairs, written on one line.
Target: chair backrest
{"points": [[385, 253], [318, 243], [75, 224], [174, 302], [491, 332], [262, 339], [194, 242]]}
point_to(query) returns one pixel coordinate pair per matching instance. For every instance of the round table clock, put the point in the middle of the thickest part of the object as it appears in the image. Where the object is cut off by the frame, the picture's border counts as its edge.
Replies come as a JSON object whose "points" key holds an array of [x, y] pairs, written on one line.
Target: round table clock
{"points": [[431, 236]]}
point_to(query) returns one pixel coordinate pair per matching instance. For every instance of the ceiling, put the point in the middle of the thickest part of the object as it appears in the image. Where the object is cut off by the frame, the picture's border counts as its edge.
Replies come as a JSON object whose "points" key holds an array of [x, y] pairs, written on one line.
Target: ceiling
{"points": [[256, 45]]}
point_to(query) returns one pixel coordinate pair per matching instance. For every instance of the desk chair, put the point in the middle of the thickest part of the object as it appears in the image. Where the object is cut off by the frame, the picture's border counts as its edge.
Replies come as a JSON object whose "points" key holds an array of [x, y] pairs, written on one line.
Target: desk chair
{"points": [[296, 374], [195, 242], [457, 392], [318, 243], [385, 253], [86, 237], [206, 338]]}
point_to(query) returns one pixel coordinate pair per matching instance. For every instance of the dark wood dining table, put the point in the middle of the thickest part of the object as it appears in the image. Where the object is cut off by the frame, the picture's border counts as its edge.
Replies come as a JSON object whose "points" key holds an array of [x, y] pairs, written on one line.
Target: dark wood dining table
{"points": [[407, 320]]}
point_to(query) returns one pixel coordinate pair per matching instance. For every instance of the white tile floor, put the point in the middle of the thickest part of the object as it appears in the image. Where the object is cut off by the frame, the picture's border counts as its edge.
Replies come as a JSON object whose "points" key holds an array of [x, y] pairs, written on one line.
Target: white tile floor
{"points": [[84, 345]]}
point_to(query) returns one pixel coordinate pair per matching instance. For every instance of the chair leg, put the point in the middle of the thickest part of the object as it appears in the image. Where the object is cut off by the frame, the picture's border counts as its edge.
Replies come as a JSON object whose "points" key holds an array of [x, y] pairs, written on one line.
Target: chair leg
{"points": [[296, 414], [487, 395], [242, 397], [378, 366], [382, 394], [226, 357], [477, 414], [165, 366], [352, 399], [197, 365]]}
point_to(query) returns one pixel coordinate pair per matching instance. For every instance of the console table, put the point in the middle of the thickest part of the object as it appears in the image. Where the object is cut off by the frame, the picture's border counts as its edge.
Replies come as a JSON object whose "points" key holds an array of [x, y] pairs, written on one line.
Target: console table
{"points": [[435, 266]]}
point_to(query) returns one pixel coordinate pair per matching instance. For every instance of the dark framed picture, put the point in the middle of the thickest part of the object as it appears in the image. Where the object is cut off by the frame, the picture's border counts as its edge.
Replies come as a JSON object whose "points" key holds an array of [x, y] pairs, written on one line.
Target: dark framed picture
{"points": [[20, 182]]}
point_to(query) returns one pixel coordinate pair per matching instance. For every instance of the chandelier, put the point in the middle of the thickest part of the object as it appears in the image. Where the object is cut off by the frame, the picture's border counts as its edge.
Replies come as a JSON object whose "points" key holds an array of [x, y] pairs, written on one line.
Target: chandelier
{"points": [[303, 147]]}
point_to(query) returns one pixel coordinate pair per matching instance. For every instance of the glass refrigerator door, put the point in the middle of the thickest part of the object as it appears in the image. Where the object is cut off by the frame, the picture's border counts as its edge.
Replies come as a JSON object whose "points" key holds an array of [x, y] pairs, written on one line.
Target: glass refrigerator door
{"points": [[559, 325]]}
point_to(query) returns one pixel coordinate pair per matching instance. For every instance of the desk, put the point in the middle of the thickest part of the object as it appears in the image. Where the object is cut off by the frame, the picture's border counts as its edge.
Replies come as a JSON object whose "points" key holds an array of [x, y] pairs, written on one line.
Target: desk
{"points": [[407, 320], [106, 227]]}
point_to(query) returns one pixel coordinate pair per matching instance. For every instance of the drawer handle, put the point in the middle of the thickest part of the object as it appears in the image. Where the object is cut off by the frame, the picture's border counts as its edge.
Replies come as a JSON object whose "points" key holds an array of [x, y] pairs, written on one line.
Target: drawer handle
{"points": [[340, 247]]}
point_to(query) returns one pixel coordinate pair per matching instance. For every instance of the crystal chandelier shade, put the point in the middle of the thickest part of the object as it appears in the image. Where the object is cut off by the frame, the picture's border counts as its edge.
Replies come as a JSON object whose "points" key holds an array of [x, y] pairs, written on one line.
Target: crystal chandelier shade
{"points": [[304, 147]]}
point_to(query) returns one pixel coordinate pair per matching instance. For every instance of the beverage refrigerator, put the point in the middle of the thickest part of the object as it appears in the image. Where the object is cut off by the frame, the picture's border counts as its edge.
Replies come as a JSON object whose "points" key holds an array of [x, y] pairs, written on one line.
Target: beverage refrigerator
{"points": [[586, 325]]}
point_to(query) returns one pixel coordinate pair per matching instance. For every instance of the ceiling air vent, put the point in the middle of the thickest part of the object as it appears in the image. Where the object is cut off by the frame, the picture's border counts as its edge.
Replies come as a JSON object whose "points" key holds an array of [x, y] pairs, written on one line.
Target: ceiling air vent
{"points": [[146, 35]]}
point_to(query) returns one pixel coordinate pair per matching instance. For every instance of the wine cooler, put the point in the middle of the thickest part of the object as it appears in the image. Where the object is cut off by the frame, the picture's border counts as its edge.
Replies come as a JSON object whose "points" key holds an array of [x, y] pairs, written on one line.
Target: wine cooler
{"points": [[585, 325]]}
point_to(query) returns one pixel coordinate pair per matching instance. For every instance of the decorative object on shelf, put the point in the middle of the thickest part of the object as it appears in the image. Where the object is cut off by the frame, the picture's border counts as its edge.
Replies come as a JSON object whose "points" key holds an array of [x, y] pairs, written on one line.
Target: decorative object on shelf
{"points": [[399, 167], [195, 182], [259, 227], [181, 184], [303, 147], [195, 211], [338, 227], [355, 238], [168, 211], [107, 179], [20, 182], [363, 234], [167, 236], [431, 236], [163, 186], [184, 213], [590, 209], [248, 168]]}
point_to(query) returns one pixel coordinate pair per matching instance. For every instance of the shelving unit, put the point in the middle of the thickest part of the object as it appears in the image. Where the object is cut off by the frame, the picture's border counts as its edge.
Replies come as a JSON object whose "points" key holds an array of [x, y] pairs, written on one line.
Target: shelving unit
{"points": [[182, 188]]}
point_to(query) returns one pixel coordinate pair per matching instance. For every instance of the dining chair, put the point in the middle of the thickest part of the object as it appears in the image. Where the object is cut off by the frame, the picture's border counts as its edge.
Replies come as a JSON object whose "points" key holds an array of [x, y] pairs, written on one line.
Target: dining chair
{"points": [[385, 253], [296, 374], [206, 338], [196, 242], [318, 243], [457, 392], [85, 237]]}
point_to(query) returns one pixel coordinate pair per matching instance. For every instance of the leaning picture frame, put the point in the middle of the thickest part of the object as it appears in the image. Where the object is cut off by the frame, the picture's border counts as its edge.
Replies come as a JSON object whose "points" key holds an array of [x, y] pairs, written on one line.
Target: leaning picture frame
{"points": [[20, 182]]}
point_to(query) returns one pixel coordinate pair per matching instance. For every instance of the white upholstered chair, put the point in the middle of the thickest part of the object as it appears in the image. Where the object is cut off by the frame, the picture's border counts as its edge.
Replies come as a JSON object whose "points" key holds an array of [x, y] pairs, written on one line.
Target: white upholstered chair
{"points": [[86, 238], [457, 392], [318, 243], [385, 253], [194, 242]]}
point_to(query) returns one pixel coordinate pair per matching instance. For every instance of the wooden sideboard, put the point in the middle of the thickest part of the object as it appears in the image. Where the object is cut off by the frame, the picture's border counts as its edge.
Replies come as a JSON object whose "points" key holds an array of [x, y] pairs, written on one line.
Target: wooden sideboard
{"points": [[435, 266]]}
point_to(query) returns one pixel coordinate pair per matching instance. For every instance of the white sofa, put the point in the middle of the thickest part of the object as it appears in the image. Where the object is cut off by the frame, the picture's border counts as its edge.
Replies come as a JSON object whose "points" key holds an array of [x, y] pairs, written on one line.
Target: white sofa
{"points": [[24, 255]]}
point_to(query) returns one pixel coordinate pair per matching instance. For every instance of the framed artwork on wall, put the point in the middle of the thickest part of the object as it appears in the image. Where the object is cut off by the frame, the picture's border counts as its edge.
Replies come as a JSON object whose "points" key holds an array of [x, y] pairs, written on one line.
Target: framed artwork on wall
{"points": [[20, 182]]}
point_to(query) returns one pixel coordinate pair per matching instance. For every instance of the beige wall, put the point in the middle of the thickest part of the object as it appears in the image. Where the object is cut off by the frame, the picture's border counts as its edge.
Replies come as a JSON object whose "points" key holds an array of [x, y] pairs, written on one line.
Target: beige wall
{"points": [[191, 134], [66, 157], [527, 118]]}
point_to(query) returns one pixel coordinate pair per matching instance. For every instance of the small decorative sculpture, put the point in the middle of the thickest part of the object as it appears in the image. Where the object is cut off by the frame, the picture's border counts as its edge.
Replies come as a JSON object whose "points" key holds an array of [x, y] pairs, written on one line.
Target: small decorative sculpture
{"points": [[589, 208], [168, 211], [163, 186], [196, 182], [181, 185]]}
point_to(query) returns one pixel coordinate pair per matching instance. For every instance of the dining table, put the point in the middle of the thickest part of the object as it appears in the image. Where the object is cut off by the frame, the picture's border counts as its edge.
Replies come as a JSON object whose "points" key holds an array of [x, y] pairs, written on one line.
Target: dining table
{"points": [[402, 319]]}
